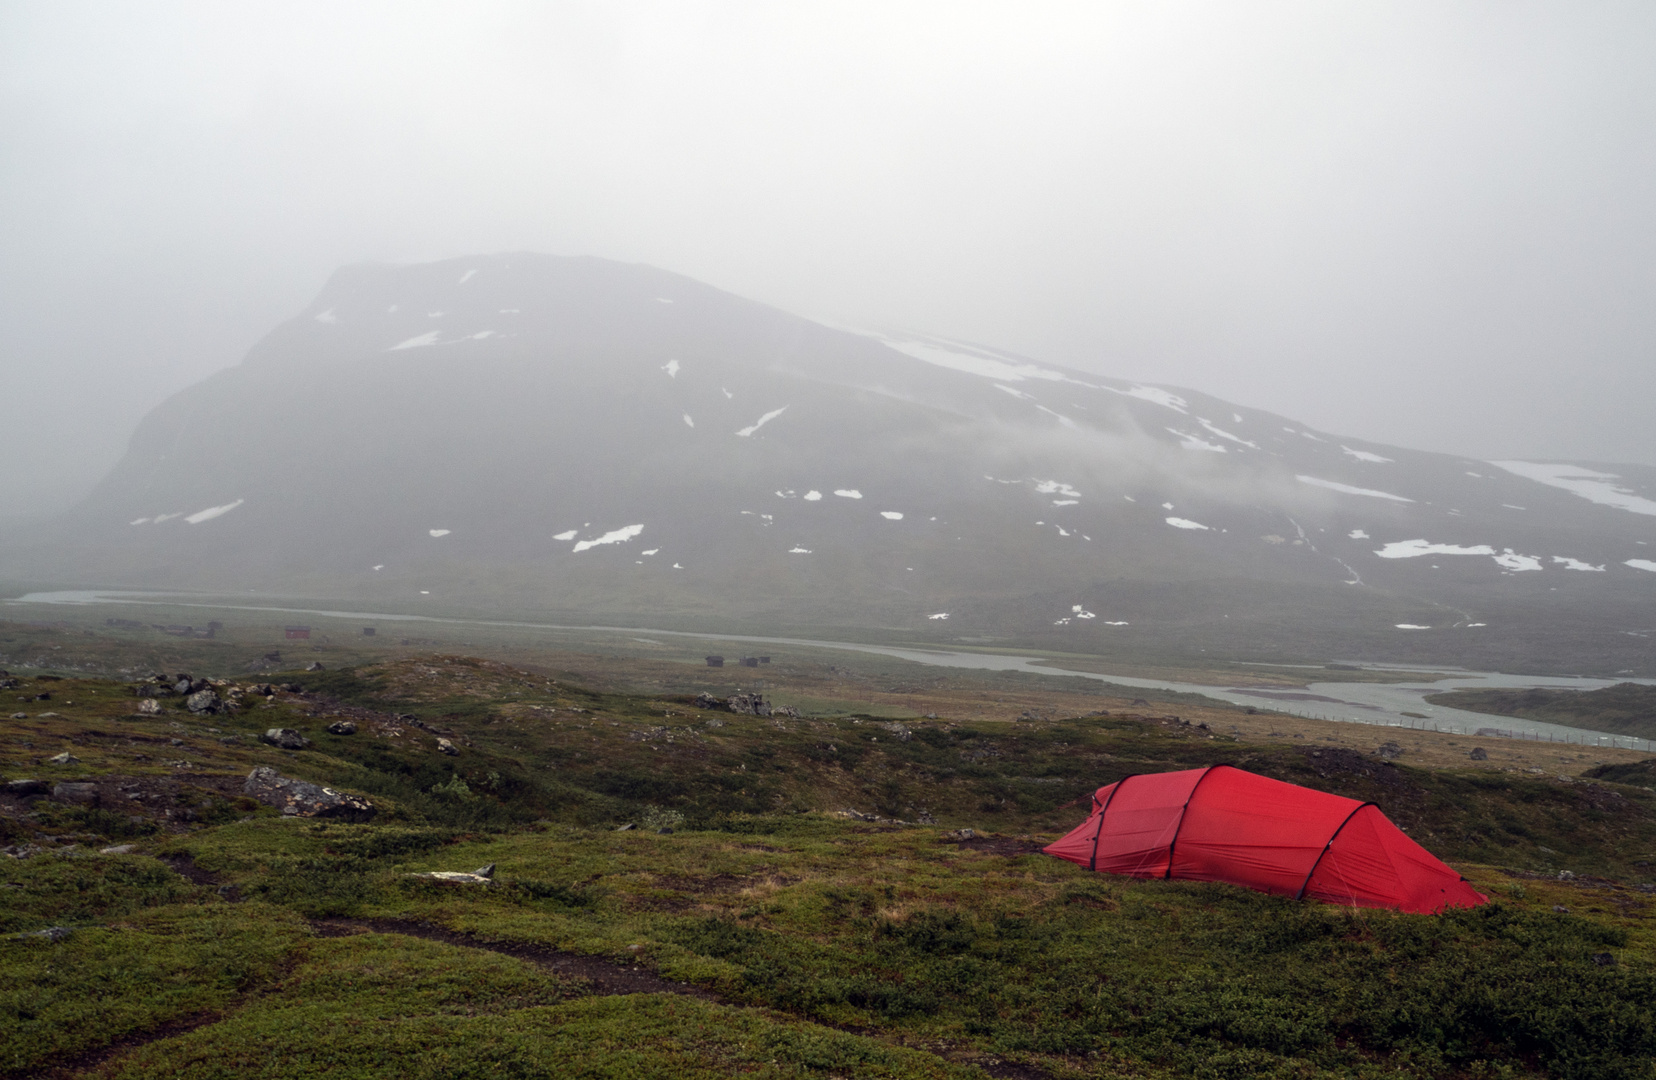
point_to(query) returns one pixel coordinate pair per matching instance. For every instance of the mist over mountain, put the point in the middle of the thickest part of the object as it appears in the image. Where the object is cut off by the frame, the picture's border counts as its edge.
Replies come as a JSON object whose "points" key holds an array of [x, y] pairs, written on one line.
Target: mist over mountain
{"points": [[561, 438]]}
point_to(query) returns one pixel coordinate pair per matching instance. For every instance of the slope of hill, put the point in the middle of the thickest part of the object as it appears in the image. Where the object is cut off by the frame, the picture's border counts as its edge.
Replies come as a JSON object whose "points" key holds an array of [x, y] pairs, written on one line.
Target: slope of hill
{"points": [[1623, 709], [596, 441]]}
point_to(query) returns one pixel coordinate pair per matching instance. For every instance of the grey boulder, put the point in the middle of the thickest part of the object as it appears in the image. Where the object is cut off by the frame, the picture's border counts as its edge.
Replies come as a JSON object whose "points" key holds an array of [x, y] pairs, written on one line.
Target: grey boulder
{"points": [[300, 798], [203, 701], [285, 739]]}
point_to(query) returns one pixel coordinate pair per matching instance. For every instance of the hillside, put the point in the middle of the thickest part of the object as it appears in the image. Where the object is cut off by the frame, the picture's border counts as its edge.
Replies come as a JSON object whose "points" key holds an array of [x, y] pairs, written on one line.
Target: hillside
{"points": [[1623, 709], [586, 441], [760, 912]]}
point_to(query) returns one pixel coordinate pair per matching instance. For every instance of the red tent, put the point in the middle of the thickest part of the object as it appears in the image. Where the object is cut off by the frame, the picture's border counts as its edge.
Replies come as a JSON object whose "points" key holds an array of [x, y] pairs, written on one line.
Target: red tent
{"points": [[1225, 824]]}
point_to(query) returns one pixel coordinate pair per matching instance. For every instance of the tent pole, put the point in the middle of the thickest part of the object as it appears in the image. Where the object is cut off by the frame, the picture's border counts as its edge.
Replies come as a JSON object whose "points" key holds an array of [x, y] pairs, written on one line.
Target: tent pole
{"points": [[1307, 882]]}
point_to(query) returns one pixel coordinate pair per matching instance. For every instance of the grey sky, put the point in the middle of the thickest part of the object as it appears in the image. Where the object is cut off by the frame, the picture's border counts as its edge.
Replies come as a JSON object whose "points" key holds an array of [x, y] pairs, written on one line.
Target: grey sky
{"points": [[1429, 224]]}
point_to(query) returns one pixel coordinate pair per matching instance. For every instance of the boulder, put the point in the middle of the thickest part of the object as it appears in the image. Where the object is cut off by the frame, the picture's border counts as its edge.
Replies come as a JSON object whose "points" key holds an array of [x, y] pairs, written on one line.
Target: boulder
{"points": [[300, 798], [285, 739], [51, 933], [314, 665], [65, 758], [203, 701], [149, 707], [1479, 754], [1389, 751], [444, 746], [21, 788], [342, 727], [75, 792]]}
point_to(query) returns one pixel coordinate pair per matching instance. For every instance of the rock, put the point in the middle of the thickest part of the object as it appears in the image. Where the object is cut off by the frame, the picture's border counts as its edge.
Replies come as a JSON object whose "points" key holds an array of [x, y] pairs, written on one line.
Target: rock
{"points": [[20, 716], [75, 792], [707, 701], [342, 727], [625, 828], [183, 685], [51, 933], [444, 746], [485, 871], [118, 849], [203, 701], [314, 665], [1565, 875], [713, 722], [285, 739], [65, 758], [902, 732], [1561, 909], [149, 707], [960, 834], [299, 798], [21, 788], [1389, 751], [455, 877], [292, 688], [1479, 754], [1604, 959]]}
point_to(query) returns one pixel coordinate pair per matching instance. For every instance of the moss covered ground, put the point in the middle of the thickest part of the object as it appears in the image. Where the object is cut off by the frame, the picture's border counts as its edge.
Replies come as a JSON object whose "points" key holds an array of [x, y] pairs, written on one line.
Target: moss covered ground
{"points": [[793, 897]]}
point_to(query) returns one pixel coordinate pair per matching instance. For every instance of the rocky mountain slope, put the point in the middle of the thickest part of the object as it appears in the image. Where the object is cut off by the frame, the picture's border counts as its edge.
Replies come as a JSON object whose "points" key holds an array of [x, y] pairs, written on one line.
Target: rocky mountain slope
{"points": [[575, 439]]}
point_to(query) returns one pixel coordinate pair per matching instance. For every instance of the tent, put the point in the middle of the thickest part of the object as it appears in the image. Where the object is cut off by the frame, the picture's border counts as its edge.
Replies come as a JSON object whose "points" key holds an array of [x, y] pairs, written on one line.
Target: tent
{"points": [[1225, 824]]}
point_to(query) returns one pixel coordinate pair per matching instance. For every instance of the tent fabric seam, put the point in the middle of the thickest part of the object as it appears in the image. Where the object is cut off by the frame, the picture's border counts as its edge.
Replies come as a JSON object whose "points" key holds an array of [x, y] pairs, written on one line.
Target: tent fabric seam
{"points": [[1309, 874], [1092, 864], [1173, 844]]}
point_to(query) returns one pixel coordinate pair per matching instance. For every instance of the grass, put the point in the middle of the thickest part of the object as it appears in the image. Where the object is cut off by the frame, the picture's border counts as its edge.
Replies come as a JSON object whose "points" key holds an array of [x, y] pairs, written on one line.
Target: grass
{"points": [[824, 945]]}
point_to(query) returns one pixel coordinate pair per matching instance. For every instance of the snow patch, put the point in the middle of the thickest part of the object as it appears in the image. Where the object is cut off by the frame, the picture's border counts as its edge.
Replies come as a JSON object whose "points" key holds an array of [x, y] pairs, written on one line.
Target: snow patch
{"points": [[1118, 622], [762, 421], [652, 551], [1156, 395], [418, 340], [567, 534], [438, 532], [1066, 502], [510, 311], [1516, 562], [1223, 434], [1641, 564], [615, 536], [1575, 564], [812, 496], [381, 566], [139, 521], [939, 615], [1186, 523], [671, 367], [483, 334], [799, 551], [1411, 626], [663, 300], [1413, 549], [1014, 393], [1082, 613], [892, 515], [1056, 487], [326, 316], [1364, 455], [846, 493], [688, 422], [1589, 484], [1357, 534], [467, 276], [210, 513], [1347, 489], [976, 364], [1509, 506], [728, 395], [1196, 442]]}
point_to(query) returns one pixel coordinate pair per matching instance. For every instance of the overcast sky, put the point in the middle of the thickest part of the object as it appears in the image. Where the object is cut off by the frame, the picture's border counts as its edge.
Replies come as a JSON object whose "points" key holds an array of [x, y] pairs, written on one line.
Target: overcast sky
{"points": [[1432, 224]]}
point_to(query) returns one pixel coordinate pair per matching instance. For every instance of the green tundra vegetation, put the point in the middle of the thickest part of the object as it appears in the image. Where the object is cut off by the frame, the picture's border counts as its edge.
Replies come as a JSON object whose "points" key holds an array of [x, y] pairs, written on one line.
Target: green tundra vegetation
{"points": [[681, 891]]}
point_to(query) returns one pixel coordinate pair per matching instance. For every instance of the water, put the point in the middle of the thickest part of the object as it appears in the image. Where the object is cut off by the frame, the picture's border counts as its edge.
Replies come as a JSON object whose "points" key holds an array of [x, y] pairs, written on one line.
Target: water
{"points": [[1382, 704]]}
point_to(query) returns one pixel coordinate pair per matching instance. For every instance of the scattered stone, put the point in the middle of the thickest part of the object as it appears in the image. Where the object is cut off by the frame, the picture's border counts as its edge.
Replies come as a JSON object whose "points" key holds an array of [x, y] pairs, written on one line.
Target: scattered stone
{"points": [[444, 746], [51, 933], [20, 716], [118, 849], [300, 798], [204, 701], [285, 739], [960, 834], [713, 722], [149, 707], [75, 792], [21, 788], [314, 665], [1565, 875], [1604, 959], [485, 871], [342, 727], [903, 733], [455, 877], [65, 758], [1479, 754], [1389, 751], [1561, 909], [629, 825]]}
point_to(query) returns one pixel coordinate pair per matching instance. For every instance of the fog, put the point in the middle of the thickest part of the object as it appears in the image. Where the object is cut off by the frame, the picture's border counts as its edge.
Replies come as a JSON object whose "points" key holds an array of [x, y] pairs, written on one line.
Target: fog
{"points": [[1424, 224]]}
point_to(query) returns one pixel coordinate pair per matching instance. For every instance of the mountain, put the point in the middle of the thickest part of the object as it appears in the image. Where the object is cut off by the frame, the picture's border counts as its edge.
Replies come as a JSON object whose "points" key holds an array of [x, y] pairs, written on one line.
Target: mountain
{"points": [[582, 440]]}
